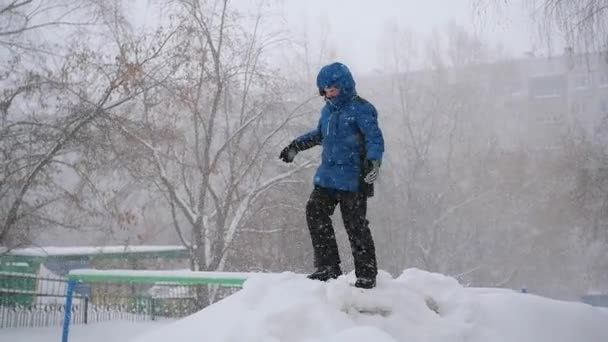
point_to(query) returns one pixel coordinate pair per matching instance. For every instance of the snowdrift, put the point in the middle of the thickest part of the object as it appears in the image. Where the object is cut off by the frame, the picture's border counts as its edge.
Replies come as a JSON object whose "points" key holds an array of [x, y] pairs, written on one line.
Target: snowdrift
{"points": [[416, 306]]}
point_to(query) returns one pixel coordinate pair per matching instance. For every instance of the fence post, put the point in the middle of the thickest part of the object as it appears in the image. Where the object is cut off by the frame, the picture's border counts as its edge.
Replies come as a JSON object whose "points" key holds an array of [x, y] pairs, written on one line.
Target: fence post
{"points": [[68, 310], [152, 308], [86, 309]]}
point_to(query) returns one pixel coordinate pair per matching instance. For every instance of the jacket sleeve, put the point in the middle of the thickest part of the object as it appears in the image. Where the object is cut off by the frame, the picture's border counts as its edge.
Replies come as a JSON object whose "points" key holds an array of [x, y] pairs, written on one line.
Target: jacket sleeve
{"points": [[310, 139], [367, 120]]}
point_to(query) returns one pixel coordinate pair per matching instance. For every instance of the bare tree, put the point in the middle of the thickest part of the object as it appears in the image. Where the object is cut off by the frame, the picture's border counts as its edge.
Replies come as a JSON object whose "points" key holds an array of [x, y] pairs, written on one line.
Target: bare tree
{"points": [[22, 20], [469, 194], [50, 114], [447, 194], [583, 23], [209, 145]]}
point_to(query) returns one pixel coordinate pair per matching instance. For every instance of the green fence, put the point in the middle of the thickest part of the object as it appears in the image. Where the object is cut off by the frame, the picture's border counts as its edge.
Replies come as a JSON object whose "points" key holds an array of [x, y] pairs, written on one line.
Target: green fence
{"points": [[27, 300], [145, 295]]}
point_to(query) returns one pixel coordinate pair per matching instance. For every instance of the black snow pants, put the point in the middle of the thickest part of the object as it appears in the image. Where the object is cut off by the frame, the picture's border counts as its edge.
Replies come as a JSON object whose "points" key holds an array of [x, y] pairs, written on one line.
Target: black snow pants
{"points": [[353, 207]]}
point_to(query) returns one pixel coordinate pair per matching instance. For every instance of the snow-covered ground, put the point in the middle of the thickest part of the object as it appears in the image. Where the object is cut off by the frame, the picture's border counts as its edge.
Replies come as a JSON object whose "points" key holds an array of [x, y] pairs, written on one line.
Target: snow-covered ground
{"points": [[289, 307], [416, 306], [98, 332]]}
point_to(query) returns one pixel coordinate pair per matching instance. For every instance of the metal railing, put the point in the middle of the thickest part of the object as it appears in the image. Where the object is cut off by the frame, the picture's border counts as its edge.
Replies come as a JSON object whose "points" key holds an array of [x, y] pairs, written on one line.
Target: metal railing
{"points": [[173, 293], [28, 300]]}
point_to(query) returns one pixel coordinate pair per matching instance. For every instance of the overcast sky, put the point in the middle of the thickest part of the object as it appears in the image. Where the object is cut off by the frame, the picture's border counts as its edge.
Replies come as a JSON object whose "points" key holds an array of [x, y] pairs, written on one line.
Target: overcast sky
{"points": [[354, 28]]}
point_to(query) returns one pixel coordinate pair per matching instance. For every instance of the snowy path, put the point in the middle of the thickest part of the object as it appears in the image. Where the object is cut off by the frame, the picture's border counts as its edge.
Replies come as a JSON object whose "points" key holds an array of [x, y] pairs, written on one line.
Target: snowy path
{"points": [[99, 332]]}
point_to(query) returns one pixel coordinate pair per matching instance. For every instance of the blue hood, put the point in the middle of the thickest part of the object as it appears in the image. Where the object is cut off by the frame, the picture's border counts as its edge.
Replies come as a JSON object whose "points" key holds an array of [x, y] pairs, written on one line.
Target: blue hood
{"points": [[337, 74]]}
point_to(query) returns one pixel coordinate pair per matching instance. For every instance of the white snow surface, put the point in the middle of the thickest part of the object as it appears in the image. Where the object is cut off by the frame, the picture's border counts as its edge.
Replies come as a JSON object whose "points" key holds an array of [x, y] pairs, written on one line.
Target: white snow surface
{"points": [[416, 306], [115, 331]]}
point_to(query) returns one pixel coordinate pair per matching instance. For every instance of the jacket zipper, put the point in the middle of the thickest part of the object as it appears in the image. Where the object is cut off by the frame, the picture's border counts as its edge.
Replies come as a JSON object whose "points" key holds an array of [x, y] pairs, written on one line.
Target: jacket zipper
{"points": [[329, 123]]}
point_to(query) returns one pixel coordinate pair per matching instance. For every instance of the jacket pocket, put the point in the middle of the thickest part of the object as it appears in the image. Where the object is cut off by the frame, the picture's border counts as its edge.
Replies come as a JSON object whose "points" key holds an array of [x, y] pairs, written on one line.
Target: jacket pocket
{"points": [[345, 155]]}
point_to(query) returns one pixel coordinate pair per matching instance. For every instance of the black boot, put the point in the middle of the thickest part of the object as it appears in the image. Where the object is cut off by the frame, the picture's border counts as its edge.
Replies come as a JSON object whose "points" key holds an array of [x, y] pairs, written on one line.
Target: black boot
{"points": [[365, 283], [324, 273]]}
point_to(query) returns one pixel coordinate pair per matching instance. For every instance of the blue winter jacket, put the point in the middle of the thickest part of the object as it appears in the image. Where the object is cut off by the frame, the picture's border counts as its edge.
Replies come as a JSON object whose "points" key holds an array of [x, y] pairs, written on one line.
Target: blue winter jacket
{"points": [[348, 131]]}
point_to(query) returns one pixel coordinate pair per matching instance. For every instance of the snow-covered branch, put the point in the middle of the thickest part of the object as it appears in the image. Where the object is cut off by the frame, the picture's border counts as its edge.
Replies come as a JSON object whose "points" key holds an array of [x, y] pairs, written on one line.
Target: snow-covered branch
{"points": [[249, 198], [188, 212]]}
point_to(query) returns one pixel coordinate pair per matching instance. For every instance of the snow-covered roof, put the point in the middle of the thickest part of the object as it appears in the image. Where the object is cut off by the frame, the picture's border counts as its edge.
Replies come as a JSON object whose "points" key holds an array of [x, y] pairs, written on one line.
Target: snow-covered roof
{"points": [[51, 251]]}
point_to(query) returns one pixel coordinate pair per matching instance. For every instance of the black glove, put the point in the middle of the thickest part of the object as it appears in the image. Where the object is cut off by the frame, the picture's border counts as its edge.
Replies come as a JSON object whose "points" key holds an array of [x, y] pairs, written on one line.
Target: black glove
{"points": [[372, 175], [289, 153]]}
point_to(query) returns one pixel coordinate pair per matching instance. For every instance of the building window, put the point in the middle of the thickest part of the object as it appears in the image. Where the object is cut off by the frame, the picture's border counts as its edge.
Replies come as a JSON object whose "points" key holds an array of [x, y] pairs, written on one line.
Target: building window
{"points": [[603, 106], [602, 79], [547, 86], [516, 87], [582, 81], [578, 107]]}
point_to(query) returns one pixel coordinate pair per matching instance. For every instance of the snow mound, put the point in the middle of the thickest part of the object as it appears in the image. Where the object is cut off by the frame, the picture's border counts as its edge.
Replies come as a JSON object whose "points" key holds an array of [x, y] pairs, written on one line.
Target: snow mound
{"points": [[416, 306]]}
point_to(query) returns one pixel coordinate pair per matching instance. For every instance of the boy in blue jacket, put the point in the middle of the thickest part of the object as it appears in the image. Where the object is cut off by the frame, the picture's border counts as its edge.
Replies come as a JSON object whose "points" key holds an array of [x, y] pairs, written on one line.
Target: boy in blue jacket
{"points": [[352, 153]]}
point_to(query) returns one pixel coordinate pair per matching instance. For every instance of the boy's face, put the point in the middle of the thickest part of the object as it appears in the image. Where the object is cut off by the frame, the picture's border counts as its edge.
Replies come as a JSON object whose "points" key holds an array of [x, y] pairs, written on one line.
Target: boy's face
{"points": [[331, 92]]}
